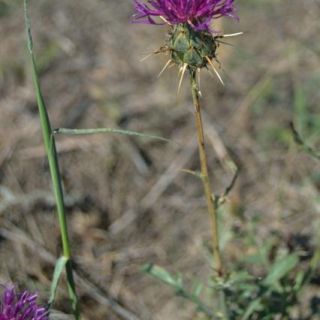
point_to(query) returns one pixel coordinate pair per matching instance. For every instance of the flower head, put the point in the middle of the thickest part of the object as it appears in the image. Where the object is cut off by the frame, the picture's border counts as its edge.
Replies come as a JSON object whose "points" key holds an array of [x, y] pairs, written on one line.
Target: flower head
{"points": [[197, 13], [20, 306]]}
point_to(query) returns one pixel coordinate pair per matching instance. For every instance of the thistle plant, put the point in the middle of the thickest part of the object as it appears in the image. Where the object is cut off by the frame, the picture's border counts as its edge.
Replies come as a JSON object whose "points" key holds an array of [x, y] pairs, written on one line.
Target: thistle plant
{"points": [[15, 305], [192, 45]]}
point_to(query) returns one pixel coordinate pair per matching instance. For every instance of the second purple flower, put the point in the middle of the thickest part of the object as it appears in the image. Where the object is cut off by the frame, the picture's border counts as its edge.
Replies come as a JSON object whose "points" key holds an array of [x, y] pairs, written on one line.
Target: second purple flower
{"points": [[20, 306]]}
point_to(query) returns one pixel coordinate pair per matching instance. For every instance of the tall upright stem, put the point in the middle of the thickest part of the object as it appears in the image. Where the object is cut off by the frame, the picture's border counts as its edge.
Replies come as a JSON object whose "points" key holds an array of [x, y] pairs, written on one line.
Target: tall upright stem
{"points": [[204, 173], [50, 147]]}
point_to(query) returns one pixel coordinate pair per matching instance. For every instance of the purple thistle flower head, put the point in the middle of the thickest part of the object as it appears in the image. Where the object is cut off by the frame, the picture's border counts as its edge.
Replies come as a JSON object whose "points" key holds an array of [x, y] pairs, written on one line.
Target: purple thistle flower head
{"points": [[20, 306], [197, 13]]}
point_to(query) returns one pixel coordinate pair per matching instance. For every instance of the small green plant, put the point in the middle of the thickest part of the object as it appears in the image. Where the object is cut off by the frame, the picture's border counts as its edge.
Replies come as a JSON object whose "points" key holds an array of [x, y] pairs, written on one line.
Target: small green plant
{"points": [[246, 296]]}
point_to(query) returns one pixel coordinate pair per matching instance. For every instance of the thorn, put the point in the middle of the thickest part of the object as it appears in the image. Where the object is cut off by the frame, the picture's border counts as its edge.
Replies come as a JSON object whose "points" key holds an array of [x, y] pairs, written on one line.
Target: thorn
{"points": [[215, 70], [232, 35], [162, 49], [182, 71], [165, 20], [147, 56], [164, 68]]}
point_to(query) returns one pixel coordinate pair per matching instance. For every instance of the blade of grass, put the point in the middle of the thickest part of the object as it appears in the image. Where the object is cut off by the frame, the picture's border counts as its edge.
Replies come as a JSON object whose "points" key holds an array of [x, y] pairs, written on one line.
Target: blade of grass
{"points": [[300, 141], [65, 131], [59, 267], [50, 147]]}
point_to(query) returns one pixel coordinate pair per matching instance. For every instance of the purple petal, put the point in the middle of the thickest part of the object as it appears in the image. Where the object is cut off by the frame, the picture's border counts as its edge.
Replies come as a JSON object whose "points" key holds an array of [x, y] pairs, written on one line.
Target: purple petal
{"points": [[198, 13], [20, 306]]}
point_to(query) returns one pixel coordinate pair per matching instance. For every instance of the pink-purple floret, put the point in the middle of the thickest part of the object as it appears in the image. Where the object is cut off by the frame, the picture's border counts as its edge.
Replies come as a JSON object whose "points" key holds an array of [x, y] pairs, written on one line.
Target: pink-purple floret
{"points": [[198, 13], [20, 306]]}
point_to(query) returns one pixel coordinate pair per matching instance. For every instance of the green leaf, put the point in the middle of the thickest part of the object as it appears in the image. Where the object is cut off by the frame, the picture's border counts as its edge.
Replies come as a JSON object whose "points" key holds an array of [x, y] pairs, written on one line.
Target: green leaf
{"points": [[255, 305], [108, 130], [162, 275], [280, 269], [239, 277], [301, 142], [198, 289], [177, 283], [59, 267], [299, 281]]}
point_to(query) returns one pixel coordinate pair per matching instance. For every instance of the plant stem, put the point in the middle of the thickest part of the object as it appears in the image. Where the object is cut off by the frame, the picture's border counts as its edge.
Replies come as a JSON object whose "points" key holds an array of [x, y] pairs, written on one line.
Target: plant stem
{"points": [[204, 173], [50, 147]]}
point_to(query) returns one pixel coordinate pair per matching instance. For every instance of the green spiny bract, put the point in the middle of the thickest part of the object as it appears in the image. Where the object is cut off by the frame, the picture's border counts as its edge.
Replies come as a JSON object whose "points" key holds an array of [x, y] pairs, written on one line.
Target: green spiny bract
{"points": [[191, 47]]}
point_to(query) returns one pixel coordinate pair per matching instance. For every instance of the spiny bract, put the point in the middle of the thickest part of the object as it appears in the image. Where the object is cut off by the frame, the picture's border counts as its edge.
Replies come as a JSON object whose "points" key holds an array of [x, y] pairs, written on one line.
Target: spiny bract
{"points": [[191, 47]]}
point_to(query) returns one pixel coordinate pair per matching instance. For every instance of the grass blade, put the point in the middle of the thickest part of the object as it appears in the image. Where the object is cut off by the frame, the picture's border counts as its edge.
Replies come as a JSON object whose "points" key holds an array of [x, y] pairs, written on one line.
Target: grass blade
{"points": [[60, 266], [65, 131], [50, 147], [300, 141], [280, 269]]}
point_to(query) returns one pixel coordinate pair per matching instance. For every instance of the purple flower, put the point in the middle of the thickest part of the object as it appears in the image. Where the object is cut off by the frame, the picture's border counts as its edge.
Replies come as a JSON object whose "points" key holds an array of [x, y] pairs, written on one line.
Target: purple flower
{"points": [[197, 13], [20, 306]]}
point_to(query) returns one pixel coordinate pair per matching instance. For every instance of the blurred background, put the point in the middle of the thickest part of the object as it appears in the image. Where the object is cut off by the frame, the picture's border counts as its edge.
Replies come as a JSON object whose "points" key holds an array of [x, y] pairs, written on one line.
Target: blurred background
{"points": [[128, 200]]}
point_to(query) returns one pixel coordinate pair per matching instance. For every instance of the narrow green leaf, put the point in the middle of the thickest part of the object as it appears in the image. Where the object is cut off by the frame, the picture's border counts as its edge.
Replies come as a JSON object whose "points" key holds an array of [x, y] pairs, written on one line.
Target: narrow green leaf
{"points": [[162, 275], [28, 27], [300, 107], [299, 281], [301, 142], [177, 283], [59, 267], [253, 306], [108, 130], [55, 176], [239, 277], [197, 290], [280, 269]]}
